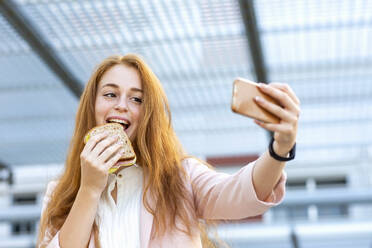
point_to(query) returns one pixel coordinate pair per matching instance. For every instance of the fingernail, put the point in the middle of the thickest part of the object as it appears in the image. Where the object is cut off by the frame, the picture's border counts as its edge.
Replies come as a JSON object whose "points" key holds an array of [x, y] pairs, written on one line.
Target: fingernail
{"points": [[257, 98]]}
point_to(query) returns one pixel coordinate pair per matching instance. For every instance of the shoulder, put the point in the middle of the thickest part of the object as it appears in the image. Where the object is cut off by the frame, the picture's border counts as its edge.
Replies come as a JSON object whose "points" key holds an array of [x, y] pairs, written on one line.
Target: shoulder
{"points": [[48, 194], [190, 163], [51, 186], [195, 166]]}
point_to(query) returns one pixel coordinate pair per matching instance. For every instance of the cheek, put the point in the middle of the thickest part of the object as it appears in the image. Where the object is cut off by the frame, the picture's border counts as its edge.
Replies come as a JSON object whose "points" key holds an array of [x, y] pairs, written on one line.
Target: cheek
{"points": [[100, 111], [137, 113]]}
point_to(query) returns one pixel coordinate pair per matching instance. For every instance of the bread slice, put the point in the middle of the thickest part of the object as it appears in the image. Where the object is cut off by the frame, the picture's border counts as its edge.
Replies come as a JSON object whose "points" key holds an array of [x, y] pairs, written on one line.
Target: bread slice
{"points": [[115, 129]]}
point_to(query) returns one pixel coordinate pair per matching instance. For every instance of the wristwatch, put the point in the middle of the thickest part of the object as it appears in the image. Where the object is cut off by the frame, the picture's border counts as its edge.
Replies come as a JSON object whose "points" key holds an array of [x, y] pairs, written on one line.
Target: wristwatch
{"points": [[292, 152]]}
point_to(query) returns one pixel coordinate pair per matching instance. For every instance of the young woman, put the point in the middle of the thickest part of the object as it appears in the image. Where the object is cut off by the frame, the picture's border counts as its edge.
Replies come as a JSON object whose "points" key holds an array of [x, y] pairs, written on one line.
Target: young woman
{"points": [[162, 200]]}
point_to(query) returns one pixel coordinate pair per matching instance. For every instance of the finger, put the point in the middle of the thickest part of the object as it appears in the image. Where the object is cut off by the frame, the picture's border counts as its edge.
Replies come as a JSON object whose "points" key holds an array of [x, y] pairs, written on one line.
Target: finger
{"points": [[279, 95], [288, 89], [92, 142], [275, 110], [103, 145], [109, 152], [112, 161], [274, 127]]}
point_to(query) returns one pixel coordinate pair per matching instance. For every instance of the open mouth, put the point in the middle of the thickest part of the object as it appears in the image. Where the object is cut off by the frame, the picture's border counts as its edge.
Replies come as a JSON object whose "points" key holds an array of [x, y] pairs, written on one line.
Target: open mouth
{"points": [[125, 125]]}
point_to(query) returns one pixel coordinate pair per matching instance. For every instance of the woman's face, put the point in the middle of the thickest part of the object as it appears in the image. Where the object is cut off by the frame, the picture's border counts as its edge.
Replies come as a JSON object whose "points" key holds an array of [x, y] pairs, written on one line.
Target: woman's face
{"points": [[119, 98]]}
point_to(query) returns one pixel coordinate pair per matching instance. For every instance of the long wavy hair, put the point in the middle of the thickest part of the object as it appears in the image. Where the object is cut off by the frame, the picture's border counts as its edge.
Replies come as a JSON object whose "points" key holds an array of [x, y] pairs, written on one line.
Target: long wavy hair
{"points": [[158, 150]]}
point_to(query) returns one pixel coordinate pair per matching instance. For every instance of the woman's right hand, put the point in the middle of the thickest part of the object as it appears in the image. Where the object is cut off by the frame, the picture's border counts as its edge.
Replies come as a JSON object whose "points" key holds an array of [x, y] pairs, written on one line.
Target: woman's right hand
{"points": [[100, 153]]}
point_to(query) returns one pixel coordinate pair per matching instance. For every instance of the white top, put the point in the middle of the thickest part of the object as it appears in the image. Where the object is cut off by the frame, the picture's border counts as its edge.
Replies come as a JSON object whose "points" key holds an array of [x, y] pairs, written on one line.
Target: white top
{"points": [[119, 224]]}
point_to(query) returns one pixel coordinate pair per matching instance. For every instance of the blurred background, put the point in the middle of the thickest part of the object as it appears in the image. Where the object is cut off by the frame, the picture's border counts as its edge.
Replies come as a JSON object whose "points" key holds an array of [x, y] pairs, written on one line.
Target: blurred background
{"points": [[321, 48]]}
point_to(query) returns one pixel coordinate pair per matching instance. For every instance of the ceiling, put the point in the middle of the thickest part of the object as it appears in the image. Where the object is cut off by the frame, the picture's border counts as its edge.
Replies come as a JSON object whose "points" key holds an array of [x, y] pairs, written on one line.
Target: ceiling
{"points": [[321, 48]]}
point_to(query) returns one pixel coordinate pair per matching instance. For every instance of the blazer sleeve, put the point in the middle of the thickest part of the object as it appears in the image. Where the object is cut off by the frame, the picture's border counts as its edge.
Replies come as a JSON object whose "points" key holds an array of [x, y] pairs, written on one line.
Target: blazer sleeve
{"points": [[223, 196]]}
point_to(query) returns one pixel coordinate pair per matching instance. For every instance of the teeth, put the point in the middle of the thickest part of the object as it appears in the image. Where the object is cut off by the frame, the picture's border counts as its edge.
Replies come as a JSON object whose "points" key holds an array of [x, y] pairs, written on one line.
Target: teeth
{"points": [[118, 121], [126, 125]]}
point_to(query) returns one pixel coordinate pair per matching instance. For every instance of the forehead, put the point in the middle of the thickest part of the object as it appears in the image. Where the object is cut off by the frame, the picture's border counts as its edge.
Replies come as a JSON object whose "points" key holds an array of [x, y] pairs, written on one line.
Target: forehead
{"points": [[123, 76]]}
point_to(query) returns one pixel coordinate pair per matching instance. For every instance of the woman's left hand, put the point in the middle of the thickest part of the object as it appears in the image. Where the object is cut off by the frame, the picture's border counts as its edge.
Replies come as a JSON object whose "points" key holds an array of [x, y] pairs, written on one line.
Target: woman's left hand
{"points": [[288, 112]]}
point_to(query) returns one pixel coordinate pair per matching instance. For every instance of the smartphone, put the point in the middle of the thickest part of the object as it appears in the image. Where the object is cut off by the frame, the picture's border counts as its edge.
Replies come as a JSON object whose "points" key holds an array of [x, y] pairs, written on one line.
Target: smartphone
{"points": [[244, 92]]}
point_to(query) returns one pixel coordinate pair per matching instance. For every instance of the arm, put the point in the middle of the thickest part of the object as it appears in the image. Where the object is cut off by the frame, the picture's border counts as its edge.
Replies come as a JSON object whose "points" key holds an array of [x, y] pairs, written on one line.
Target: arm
{"points": [[76, 230], [223, 196], [266, 175], [81, 218], [99, 154], [259, 185], [268, 170]]}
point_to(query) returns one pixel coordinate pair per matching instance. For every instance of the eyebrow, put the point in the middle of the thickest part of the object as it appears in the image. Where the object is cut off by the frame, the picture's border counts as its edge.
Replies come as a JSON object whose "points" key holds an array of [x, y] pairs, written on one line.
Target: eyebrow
{"points": [[116, 86]]}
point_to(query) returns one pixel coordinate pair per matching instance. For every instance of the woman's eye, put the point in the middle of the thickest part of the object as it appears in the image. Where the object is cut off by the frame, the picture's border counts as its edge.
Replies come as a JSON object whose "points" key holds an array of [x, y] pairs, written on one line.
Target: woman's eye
{"points": [[110, 95], [137, 99]]}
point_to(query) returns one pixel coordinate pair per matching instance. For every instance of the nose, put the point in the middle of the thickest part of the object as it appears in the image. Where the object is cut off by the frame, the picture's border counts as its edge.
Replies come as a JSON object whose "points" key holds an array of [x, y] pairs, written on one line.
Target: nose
{"points": [[122, 105]]}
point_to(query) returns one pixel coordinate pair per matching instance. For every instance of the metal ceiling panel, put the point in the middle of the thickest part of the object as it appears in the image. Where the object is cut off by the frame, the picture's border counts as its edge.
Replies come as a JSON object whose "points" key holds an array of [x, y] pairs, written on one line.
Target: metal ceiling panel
{"points": [[197, 48], [32, 102], [323, 50]]}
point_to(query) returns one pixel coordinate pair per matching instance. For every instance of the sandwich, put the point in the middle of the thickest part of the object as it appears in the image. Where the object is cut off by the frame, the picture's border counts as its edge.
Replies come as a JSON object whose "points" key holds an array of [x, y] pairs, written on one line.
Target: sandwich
{"points": [[128, 157]]}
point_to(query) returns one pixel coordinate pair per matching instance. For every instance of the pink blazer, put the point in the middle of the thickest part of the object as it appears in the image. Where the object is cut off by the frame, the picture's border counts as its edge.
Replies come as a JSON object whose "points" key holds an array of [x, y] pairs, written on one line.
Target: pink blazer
{"points": [[216, 196]]}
